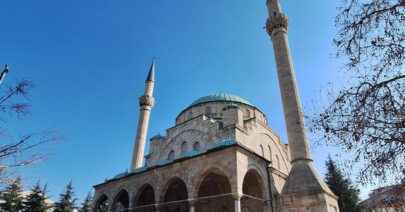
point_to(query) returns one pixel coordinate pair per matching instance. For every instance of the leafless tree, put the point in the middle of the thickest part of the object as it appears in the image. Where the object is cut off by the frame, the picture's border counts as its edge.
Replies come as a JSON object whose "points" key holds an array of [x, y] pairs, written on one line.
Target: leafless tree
{"points": [[366, 117], [23, 150]]}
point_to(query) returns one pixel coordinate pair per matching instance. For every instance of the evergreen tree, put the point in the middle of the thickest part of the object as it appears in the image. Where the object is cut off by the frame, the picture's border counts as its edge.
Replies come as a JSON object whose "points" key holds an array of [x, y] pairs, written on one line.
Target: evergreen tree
{"points": [[86, 205], [11, 199], [35, 201], [66, 201], [342, 187]]}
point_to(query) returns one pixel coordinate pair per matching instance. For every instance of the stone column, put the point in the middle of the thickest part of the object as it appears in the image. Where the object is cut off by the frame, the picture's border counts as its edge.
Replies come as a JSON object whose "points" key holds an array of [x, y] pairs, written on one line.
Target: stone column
{"points": [[157, 207], [192, 205], [237, 198]]}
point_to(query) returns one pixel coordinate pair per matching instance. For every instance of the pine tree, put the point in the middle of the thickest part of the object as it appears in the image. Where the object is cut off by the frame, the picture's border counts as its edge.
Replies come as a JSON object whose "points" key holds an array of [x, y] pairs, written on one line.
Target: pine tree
{"points": [[35, 201], [66, 201], [12, 201], [342, 187], [86, 205]]}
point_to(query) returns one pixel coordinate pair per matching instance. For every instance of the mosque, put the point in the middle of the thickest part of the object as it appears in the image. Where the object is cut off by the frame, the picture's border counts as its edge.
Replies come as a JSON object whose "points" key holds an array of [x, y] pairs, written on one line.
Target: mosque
{"points": [[221, 156]]}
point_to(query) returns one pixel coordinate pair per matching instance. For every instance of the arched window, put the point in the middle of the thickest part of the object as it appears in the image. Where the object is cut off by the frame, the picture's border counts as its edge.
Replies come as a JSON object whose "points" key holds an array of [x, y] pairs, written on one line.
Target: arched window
{"points": [[190, 115], [196, 146], [208, 111], [261, 147], [270, 153], [278, 162], [183, 148], [171, 155]]}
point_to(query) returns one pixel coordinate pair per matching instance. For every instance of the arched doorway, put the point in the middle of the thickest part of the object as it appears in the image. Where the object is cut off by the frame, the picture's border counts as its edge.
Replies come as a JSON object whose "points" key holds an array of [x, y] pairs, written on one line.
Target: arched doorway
{"points": [[175, 193], [121, 202], [214, 194], [145, 199], [253, 187], [101, 204]]}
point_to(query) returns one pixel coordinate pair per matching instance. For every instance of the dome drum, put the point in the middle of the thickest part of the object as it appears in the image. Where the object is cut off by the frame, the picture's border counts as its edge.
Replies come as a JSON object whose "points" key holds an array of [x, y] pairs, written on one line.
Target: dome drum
{"points": [[214, 106]]}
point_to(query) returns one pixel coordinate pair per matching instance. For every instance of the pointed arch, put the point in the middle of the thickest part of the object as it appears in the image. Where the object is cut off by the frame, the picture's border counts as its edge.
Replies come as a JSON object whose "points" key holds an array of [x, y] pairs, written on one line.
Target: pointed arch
{"points": [[200, 178], [262, 150], [145, 199], [270, 156], [213, 184], [196, 146], [183, 148], [121, 201], [278, 162], [101, 203], [253, 188], [175, 194], [171, 155]]}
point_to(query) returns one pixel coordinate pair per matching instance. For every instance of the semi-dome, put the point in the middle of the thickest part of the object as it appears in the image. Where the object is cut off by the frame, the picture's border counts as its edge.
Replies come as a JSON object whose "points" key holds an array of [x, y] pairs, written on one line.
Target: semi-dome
{"points": [[221, 97]]}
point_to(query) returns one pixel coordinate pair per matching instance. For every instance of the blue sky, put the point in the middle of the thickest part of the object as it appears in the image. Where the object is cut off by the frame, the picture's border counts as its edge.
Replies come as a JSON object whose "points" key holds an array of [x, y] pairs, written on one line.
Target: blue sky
{"points": [[89, 60]]}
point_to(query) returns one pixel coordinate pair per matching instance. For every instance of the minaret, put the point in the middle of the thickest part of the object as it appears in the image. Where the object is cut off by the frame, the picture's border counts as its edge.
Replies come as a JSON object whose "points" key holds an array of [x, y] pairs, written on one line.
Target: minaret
{"points": [[304, 189], [146, 102]]}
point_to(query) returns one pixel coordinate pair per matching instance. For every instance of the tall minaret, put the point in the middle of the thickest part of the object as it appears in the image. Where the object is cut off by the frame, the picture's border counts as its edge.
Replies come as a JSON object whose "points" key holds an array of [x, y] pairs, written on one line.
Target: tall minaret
{"points": [[304, 189], [146, 102]]}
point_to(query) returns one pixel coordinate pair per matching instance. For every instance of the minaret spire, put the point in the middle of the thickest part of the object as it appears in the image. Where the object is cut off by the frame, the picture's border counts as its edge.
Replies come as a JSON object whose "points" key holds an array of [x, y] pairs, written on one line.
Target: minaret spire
{"points": [[151, 74], [304, 189], [146, 102]]}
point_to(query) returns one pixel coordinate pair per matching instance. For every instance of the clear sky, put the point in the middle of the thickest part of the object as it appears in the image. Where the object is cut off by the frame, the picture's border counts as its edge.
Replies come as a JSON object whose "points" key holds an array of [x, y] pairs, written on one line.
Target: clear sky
{"points": [[89, 60]]}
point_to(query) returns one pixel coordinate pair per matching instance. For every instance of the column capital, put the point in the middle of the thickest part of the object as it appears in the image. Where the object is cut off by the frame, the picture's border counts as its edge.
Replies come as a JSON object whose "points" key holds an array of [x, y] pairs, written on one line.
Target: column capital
{"points": [[237, 196]]}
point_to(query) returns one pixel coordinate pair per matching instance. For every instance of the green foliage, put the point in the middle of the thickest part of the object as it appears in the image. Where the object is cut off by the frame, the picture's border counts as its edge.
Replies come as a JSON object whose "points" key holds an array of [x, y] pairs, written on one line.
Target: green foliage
{"points": [[86, 205], [11, 198], [66, 201], [35, 201], [342, 187]]}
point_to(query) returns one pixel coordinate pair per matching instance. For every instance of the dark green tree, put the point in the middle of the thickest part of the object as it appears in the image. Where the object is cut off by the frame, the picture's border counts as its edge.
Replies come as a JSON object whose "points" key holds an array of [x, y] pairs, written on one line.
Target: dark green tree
{"points": [[12, 201], [86, 205], [35, 201], [66, 201], [342, 187]]}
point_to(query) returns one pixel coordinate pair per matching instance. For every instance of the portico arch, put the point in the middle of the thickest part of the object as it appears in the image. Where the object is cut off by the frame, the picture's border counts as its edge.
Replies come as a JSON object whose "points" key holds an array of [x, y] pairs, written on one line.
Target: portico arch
{"points": [[101, 204], [144, 200], [253, 192], [121, 201], [214, 194], [175, 196]]}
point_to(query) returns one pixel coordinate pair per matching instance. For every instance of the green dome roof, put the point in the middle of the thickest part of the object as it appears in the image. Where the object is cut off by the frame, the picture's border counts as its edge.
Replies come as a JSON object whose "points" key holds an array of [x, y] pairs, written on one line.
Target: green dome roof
{"points": [[221, 97]]}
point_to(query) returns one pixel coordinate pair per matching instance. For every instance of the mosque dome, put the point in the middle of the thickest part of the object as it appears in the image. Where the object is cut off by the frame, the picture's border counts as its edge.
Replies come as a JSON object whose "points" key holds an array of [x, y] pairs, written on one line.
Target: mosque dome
{"points": [[221, 97], [215, 105]]}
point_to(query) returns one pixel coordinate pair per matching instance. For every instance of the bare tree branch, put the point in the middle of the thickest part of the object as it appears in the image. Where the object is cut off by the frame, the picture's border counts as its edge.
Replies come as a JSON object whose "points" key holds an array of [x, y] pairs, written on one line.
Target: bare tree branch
{"points": [[366, 117], [25, 150]]}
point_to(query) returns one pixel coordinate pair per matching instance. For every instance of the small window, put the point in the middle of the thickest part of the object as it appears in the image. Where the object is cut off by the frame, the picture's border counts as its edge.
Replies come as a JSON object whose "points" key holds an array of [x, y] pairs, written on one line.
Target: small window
{"points": [[196, 146], [208, 111], [190, 115], [183, 148], [171, 155], [278, 162], [261, 147], [269, 152]]}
